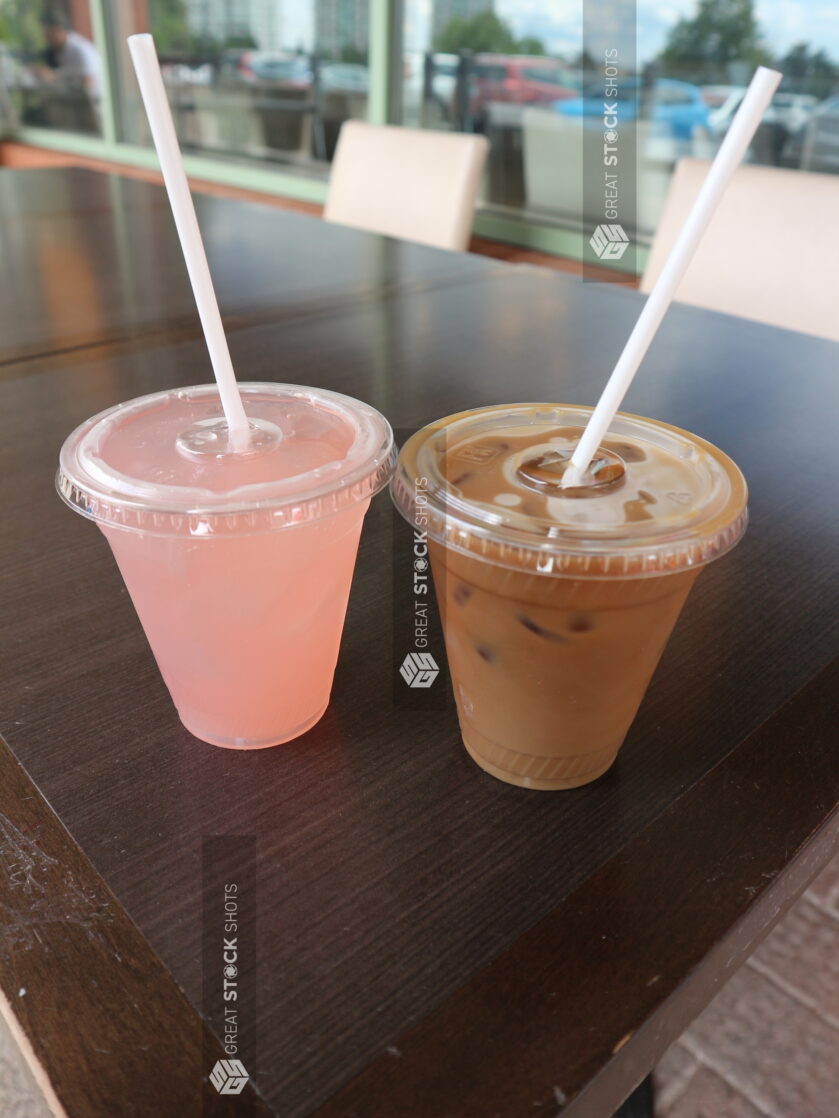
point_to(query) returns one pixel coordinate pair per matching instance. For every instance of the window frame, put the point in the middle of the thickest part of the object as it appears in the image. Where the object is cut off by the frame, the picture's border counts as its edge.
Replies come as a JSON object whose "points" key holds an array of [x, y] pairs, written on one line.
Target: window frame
{"points": [[383, 107]]}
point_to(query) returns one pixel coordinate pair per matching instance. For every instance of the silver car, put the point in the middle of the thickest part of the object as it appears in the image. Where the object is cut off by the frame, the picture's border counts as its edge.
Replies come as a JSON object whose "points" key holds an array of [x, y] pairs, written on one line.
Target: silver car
{"points": [[815, 147]]}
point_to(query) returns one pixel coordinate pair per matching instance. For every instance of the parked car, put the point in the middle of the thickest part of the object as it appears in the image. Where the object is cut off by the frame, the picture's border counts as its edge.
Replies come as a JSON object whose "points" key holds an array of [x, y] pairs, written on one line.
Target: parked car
{"points": [[518, 80], [345, 77], [444, 70], [181, 74], [429, 83], [291, 70], [676, 106], [716, 95], [721, 115], [815, 146], [790, 111]]}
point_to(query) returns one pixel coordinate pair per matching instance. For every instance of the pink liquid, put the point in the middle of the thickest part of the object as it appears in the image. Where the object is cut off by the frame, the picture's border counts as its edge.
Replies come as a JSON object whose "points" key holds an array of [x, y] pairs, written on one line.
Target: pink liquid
{"points": [[238, 561], [244, 625], [245, 629]]}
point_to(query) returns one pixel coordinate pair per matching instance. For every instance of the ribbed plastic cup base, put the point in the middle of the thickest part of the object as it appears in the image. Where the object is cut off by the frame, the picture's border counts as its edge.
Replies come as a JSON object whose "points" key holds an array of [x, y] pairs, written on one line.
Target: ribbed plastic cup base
{"points": [[245, 743], [547, 774]]}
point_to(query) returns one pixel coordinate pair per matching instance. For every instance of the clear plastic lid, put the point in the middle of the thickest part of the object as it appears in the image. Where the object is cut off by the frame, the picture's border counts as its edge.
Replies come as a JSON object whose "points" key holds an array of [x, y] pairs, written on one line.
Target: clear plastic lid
{"points": [[162, 463], [488, 483]]}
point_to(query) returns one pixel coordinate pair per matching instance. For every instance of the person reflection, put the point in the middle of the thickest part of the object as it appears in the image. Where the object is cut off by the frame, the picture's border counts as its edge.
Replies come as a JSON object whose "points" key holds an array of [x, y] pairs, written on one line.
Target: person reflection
{"points": [[70, 77]]}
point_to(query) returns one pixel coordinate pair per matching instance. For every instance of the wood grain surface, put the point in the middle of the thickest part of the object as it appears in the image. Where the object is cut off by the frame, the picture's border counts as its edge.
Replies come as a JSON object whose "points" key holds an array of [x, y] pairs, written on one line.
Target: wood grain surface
{"points": [[575, 1011], [90, 257], [94, 1003], [402, 894]]}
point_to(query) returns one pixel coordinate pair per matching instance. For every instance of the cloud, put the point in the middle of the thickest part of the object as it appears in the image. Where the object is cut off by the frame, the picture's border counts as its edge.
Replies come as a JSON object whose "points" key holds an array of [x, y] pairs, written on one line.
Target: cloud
{"points": [[559, 23]]}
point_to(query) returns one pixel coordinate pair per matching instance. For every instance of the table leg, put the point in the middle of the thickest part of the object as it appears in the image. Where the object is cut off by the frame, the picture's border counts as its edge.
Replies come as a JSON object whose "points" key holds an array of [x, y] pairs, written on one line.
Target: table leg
{"points": [[640, 1103]]}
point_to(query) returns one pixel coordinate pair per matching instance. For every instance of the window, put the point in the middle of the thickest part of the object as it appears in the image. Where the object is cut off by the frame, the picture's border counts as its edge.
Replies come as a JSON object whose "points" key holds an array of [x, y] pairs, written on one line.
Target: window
{"points": [[249, 79], [268, 83], [522, 74], [483, 72], [50, 70]]}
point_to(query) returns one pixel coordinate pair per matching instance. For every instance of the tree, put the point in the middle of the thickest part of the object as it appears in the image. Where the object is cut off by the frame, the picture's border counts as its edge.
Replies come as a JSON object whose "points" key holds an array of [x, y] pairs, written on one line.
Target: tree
{"points": [[20, 25], [703, 48], [584, 61], [484, 33], [530, 45], [242, 39], [809, 71], [350, 53], [169, 25]]}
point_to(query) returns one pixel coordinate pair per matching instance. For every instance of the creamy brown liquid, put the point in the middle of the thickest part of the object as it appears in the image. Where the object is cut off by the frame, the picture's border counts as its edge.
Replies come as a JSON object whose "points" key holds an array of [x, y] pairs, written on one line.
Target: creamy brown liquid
{"points": [[522, 474], [548, 671]]}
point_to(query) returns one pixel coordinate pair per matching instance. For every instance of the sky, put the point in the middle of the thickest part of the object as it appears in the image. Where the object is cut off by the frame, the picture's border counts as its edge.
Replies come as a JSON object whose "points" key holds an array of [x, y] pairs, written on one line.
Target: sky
{"points": [[558, 22], [783, 22]]}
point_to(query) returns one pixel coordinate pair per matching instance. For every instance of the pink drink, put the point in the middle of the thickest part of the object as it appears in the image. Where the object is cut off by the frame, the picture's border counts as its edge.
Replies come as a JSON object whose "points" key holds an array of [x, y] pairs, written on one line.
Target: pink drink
{"points": [[239, 566]]}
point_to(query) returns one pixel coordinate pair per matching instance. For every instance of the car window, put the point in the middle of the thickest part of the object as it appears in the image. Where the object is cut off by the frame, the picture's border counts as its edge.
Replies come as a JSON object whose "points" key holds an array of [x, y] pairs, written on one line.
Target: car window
{"points": [[274, 68], [489, 73], [543, 74], [670, 96]]}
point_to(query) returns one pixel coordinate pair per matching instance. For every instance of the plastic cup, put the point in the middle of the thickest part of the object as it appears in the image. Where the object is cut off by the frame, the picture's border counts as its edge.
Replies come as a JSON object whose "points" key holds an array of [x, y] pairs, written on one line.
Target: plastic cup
{"points": [[557, 603], [239, 565]]}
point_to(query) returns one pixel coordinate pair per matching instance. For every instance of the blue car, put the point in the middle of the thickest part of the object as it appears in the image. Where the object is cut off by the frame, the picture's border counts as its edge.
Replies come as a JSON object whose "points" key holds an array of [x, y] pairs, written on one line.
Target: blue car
{"points": [[677, 106]]}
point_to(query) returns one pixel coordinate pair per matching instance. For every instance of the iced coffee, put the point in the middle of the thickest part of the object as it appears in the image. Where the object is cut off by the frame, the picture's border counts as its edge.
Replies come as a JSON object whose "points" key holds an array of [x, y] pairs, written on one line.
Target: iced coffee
{"points": [[557, 598]]}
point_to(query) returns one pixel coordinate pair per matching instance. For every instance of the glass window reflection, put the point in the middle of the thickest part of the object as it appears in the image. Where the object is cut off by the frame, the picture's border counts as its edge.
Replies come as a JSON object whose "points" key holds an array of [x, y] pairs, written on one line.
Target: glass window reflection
{"points": [[50, 68], [255, 79], [521, 73]]}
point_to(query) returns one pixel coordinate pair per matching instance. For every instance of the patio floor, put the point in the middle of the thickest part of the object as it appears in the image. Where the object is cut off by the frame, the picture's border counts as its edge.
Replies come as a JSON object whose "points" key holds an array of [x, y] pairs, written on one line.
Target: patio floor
{"points": [[768, 1045]]}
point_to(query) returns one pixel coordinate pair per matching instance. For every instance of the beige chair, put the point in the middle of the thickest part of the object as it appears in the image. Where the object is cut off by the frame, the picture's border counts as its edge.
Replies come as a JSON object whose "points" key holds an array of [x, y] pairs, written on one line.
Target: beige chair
{"points": [[771, 252], [406, 182]]}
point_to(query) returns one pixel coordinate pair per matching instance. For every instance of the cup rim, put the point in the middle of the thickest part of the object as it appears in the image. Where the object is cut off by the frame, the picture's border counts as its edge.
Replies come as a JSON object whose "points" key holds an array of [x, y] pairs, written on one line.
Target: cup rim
{"points": [[112, 499], [579, 554]]}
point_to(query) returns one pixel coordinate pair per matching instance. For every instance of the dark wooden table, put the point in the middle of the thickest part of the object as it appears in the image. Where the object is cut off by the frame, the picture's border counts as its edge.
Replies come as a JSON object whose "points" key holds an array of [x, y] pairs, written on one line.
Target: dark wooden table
{"points": [[429, 941]]}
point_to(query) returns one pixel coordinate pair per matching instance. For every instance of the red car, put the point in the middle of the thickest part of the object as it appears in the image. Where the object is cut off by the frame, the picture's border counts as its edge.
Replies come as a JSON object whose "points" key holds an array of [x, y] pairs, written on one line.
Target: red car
{"points": [[517, 79]]}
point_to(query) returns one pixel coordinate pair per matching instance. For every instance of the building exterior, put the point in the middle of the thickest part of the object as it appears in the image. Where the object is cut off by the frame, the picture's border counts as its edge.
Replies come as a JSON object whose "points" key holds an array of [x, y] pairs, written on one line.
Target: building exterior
{"points": [[447, 10], [220, 19], [341, 25]]}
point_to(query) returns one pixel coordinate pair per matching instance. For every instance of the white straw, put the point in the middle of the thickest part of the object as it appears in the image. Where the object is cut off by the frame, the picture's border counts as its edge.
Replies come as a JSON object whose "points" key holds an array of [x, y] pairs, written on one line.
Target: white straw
{"points": [[739, 136], [162, 127]]}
